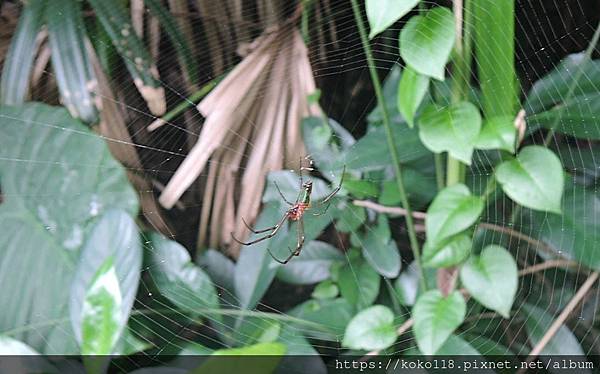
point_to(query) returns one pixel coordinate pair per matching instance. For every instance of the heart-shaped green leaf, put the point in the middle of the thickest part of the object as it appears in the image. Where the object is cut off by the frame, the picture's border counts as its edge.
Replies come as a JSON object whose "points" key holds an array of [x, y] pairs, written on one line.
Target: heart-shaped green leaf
{"points": [[449, 252], [453, 129], [411, 91], [497, 133], [380, 250], [101, 312], [373, 328], [426, 42], [533, 179], [313, 265], [383, 13], [359, 283], [492, 279], [453, 210], [435, 318]]}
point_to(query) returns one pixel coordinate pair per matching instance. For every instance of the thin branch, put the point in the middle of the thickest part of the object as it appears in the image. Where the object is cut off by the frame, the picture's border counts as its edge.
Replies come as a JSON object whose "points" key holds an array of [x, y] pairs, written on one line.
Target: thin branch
{"points": [[558, 322]]}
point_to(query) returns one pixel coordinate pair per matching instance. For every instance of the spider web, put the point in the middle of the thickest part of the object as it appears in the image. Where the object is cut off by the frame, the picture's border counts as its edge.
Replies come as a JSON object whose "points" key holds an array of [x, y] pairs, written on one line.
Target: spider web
{"points": [[544, 36]]}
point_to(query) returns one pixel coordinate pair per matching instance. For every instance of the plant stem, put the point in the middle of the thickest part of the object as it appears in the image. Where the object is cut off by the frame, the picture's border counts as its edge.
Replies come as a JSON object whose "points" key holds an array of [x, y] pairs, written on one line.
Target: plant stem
{"points": [[439, 170], [455, 172], [412, 235]]}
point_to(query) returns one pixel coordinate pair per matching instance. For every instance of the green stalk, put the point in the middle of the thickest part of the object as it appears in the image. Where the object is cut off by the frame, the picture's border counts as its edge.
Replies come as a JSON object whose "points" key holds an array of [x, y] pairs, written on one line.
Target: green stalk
{"points": [[462, 72], [439, 170], [414, 244]]}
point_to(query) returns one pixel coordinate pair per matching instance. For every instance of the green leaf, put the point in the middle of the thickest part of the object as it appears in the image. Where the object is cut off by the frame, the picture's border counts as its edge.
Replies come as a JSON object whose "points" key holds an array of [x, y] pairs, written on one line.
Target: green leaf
{"points": [[359, 283], [14, 80], [82, 181], [577, 231], [73, 70], [371, 329], [270, 354], [179, 42], [115, 235], [492, 279], [453, 210], [218, 266], [427, 40], [456, 346], [435, 319], [494, 34], [553, 88], [384, 13], [537, 323], [312, 266], [361, 189], [534, 179], [178, 278], [452, 129], [371, 152], [325, 290], [390, 93], [101, 312], [380, 250], [257, 330], [420, 189], [575, 117], [333, 314], [113, 16], [498, 133], [12, 347], [326, 141], [407, 285], [411, 91], [449, 252], [351, 217]]}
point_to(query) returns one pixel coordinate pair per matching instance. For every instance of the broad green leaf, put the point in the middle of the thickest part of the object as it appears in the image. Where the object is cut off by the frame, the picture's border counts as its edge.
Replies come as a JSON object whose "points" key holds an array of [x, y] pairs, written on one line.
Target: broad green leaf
{"points": [[359, 283], [380, 250], [373, 328], [269, 356], [13, 347], [332, 314], [420, 188], [115, 235], [411, 91], [453, 129], [325, 290], [552, 89], [453, 210], [494, 47], [456, 346], [537, 323], [390, 93], [449, 252], [436, 318], [580, 160], [498, 133], [427, 40], [300, 353], [178, 278], [577, 231], [50, 204], [486, 346], [218, 266], [533, 179], [326, 142], [113, 16], [14, 80], [577, 117], [408, 286], [73, 70], [361, 188], [312, 266], [383, 13], [351, 217], [101, 312], [257, 330], [492, 279], [371, 151]]}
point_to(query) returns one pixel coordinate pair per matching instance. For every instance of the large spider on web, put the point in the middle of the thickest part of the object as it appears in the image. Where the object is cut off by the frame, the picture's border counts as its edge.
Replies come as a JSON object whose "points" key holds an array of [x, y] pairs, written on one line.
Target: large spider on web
{"points": [[294, 213]]}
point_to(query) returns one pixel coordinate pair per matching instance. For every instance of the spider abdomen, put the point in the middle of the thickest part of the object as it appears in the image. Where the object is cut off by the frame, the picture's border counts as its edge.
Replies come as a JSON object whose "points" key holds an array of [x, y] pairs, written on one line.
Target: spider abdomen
{"points": [[296, 212]]}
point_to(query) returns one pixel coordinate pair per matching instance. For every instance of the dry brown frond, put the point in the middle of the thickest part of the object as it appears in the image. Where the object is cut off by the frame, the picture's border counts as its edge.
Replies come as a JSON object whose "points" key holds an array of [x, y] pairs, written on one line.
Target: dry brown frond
{"points": [[252, 127]]}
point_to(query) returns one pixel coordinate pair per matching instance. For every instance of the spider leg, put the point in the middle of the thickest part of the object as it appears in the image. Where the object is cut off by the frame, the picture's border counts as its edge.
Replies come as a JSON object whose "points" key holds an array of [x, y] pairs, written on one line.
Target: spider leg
{"points": [[281, 194], [336, 190], [268, 236], [323, 212], [299, 244], [258, 231]]}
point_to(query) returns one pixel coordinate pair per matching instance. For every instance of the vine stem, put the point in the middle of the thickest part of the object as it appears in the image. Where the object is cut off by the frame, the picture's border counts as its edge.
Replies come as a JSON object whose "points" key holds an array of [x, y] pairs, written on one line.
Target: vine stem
{"points": [[412, 235]]}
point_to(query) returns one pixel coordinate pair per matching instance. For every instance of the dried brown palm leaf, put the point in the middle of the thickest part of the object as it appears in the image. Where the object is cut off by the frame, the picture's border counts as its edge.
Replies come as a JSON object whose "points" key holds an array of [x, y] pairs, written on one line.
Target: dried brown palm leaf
{"points": [[252, 127]]}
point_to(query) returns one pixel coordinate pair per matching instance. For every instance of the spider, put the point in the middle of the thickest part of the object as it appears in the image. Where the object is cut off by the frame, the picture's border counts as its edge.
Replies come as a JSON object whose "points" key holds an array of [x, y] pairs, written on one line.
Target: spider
{"points": [[294, 213]]}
